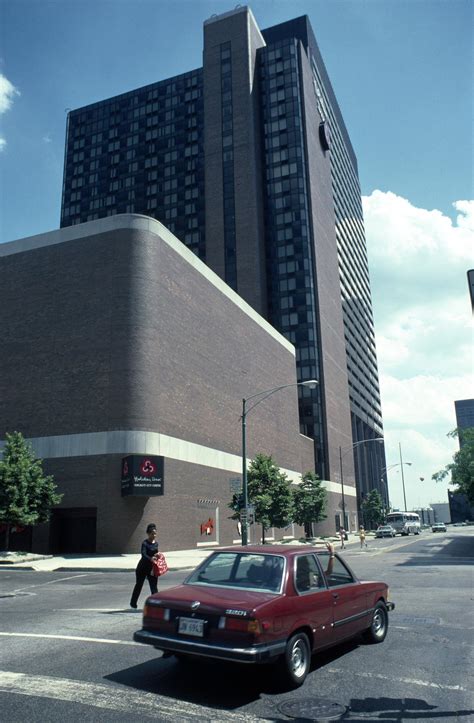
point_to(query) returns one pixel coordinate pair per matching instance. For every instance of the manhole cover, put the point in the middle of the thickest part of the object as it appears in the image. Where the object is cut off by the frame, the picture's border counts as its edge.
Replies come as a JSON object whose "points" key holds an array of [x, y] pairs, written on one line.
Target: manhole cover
{"points": [[315, 709]]}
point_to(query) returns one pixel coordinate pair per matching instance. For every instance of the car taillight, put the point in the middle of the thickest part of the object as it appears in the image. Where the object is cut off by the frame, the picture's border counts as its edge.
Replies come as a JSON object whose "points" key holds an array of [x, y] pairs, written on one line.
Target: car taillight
{"points": [[243, 625], [158, 613]]}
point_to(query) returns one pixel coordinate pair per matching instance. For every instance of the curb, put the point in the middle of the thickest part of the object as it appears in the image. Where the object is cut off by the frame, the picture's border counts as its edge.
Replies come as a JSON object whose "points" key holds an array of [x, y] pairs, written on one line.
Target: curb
{"points": [[113, 569], [32, 558], [91, 569], [15, 567]]}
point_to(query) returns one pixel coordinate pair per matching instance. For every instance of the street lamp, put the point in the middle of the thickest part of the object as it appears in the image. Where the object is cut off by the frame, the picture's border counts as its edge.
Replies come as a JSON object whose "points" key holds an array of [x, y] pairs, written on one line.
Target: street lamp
{"points": [[387, 503], [399, 464], [349, 449], [311, 383], [403, 476]]}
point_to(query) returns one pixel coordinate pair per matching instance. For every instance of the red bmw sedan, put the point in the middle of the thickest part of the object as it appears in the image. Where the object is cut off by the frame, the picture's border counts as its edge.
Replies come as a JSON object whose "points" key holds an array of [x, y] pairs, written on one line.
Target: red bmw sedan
{"points": [[266, 604]]}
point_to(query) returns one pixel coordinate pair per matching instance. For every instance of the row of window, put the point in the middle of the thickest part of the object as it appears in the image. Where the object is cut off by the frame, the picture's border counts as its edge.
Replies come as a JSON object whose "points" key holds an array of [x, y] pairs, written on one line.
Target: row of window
{"points": [[227, 146]]}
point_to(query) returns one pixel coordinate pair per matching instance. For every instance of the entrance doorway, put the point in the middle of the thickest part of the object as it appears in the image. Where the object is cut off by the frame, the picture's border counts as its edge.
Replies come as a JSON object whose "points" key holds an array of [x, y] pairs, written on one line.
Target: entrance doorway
{"points": [[73, 530]]}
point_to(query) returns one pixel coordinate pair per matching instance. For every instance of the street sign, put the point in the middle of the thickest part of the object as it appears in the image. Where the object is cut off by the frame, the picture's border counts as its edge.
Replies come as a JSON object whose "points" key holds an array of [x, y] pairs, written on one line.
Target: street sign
{"points": [[235, 484]]}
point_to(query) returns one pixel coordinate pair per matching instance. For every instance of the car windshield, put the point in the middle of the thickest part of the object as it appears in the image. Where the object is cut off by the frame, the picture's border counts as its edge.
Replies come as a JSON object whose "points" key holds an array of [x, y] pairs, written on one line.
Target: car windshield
{"points": [[250, 571]]}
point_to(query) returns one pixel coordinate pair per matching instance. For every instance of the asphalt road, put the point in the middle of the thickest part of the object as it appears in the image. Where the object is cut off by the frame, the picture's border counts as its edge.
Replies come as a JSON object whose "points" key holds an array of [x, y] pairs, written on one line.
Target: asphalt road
{"points": [[66, 650]]}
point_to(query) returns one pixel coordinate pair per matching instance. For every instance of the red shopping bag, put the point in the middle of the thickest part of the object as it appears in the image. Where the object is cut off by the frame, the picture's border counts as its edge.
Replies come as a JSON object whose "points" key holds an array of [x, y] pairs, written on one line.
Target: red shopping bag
{"points": [[159, 565]]}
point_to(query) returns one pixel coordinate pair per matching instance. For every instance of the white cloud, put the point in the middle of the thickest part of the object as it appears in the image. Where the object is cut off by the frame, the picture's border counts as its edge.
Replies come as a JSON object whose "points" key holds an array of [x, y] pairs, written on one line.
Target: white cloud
{"points": [[427, 454], [423, 402], [418, 262], [466, 218], [7, 93]]}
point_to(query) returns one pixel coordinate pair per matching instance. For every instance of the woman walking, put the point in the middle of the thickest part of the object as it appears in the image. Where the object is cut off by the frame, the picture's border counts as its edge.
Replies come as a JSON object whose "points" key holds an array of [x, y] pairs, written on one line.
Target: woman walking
{"points": [[362, 537], [149, 552]]}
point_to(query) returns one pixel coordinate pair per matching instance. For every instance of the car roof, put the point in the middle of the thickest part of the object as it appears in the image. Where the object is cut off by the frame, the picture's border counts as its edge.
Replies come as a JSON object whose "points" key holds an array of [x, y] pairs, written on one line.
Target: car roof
{"points": [[286, 550]]}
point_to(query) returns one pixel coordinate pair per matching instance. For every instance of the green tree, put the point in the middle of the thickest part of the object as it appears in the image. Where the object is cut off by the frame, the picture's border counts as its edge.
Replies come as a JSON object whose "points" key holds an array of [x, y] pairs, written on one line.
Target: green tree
{"points": [[373, 508], [309, 502], [269, 492], [26, 493], [461, 468]]}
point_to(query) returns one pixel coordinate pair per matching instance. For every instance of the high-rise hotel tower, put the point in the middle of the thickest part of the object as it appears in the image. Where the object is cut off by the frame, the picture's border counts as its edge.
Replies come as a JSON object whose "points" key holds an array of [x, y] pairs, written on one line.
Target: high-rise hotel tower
{"points": [[248, 162]]}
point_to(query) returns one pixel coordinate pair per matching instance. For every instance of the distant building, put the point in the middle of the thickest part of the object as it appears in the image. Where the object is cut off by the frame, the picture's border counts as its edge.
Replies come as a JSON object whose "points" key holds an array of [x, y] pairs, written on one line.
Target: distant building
{"points": [[464, 413], [442, 512], [460, 508], [248, 162], [470, 281], [427, 515]]}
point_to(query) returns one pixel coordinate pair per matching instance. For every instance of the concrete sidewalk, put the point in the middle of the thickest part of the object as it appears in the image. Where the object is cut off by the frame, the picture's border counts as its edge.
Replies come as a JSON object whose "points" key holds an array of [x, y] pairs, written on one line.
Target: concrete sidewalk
{"points": [[176, 559]]}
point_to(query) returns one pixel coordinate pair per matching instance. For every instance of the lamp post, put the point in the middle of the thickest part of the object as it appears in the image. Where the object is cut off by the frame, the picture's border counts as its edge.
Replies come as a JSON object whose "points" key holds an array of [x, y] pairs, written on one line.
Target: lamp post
{"points": [[403, 476], [311, 383], [399, 464], [384, 481], [348, 449]]}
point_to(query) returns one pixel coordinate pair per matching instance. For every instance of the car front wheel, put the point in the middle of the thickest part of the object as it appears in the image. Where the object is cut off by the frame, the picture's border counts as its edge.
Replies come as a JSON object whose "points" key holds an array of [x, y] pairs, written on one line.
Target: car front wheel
{"points": [[294, 665], [379, 626]]}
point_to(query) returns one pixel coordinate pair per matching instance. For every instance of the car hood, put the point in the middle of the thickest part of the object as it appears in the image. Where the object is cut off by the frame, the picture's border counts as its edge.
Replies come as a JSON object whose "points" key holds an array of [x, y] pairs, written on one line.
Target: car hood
{"points": [[212, 598]]}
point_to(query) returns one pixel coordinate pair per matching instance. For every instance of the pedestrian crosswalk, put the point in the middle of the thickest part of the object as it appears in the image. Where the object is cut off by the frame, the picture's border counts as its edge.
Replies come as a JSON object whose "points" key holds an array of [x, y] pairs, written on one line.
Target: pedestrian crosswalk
{"points": [[138, 704]]}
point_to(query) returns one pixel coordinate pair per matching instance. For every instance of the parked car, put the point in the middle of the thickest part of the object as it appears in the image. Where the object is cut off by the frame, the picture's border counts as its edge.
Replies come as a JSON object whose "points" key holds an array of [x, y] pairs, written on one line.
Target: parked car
{"points": [[438, 527], [385, 531], [251, 605]]}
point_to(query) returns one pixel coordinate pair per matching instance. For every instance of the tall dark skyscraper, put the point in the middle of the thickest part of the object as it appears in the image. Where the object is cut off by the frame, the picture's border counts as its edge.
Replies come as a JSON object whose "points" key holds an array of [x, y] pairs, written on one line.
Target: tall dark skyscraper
{"points": [[248, 162], [464, 413]]}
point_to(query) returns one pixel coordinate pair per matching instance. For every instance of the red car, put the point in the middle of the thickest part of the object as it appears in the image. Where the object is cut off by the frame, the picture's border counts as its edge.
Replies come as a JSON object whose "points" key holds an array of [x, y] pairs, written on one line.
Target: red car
{"points": [[266, 604]]}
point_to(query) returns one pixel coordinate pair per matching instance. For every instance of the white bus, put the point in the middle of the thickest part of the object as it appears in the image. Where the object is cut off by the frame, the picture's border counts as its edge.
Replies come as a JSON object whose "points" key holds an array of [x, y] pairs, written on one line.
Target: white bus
{"points": [[404, 523]]}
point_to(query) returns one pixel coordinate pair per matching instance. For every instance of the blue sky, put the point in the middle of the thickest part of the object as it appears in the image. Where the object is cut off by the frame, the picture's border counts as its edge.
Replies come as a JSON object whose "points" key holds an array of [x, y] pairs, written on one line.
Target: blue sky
{"points": [[402, 72]]}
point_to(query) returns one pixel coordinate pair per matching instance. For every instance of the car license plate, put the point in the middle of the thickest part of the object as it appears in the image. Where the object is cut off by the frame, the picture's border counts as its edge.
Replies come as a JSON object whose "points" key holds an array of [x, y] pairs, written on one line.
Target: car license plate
{"points": [[189, 626]]}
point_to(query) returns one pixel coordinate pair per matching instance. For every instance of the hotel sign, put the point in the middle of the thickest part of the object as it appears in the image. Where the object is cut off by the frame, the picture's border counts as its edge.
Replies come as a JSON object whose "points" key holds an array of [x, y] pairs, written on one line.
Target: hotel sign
{"points": [[142, 475]]}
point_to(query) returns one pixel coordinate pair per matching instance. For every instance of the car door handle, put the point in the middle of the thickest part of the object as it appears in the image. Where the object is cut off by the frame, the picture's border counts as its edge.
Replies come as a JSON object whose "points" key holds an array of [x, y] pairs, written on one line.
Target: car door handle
{"points": [[335, 595]]}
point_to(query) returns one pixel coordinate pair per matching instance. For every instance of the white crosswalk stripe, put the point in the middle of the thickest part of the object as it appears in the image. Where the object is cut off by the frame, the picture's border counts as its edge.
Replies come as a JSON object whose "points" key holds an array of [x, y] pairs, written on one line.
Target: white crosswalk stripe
{"points": [[111, 697]]}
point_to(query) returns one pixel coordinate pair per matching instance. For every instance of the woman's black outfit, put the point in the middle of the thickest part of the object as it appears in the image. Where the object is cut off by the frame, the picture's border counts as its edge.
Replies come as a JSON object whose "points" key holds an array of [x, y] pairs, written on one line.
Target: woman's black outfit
{"points": [[143, 570]]}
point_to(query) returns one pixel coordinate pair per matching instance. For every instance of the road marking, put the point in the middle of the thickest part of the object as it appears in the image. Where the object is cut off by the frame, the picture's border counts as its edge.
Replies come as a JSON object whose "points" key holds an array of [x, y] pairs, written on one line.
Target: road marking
{"points": [[71, 637], [97, 610], [113, 697], [402, 544], [51, 582], [406, 681]]}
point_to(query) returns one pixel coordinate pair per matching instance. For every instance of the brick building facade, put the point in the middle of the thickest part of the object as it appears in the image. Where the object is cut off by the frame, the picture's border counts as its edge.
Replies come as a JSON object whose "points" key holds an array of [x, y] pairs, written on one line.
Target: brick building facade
{"points": [[117, 340]]}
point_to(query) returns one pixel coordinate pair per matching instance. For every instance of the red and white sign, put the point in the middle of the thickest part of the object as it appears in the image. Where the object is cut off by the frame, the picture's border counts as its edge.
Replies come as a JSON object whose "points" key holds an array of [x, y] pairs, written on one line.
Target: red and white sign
{"points": [[147, 467]]}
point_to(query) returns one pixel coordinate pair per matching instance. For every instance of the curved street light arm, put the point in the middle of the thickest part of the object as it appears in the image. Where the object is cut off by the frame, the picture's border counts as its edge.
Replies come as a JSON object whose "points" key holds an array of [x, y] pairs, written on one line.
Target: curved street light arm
{"points": [[312, 383], [362, 441], [391, 466]]}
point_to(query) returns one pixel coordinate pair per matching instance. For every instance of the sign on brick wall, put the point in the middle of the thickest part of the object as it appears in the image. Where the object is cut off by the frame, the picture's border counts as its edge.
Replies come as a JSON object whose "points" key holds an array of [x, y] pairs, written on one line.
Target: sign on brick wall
{"points": [[142, 475]]}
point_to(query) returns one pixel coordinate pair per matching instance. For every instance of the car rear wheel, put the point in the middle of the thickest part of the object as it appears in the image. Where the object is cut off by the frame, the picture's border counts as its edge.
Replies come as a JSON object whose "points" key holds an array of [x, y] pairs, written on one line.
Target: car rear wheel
{"points": [[294, 665], [379, 625]]}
